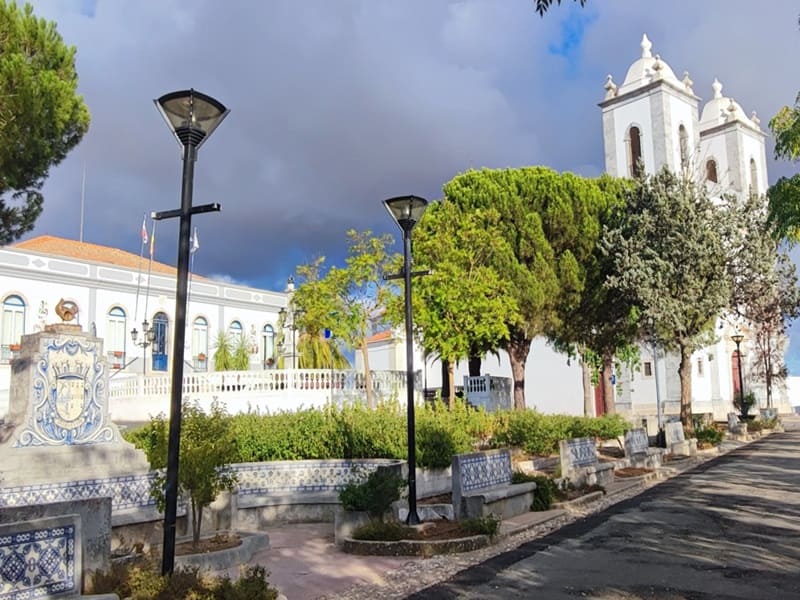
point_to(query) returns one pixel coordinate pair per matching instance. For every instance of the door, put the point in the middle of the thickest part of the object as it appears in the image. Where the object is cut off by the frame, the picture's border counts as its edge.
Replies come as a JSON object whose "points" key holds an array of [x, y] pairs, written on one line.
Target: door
{"points": [[160, 323]]}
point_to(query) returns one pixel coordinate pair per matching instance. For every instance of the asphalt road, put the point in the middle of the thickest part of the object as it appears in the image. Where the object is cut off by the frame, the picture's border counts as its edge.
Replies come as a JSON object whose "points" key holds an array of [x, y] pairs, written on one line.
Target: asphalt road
{"points": [[725, 530]]}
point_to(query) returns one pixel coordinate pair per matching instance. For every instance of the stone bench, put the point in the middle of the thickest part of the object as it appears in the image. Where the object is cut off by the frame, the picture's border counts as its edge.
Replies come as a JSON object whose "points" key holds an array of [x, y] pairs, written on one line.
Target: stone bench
{"points": [[579, 463], [677, 444], [482, 486], [638, 452]]}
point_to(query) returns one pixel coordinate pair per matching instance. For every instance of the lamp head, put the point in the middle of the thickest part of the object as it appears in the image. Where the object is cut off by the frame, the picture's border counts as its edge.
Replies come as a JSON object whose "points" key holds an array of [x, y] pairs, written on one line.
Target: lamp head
{"points": [[406, 210], [134, 334], [191, 116], [737, 338]]}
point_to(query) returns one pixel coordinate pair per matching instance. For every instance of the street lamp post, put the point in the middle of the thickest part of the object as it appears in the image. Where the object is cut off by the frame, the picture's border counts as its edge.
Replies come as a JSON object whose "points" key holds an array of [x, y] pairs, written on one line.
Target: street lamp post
{"points": [[292, 313], [192, 117], [737, 339], [406, 212], [149, 336]]}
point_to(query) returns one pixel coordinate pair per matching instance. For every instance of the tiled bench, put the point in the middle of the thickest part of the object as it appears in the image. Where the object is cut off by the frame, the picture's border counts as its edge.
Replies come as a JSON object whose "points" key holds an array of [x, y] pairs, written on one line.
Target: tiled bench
{"points": [[638, 452], [677, 444], [482, 486], [579, 463]]}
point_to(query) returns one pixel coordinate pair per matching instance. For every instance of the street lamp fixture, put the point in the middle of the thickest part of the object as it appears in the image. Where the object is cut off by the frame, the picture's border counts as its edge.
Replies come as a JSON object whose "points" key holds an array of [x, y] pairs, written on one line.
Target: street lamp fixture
{"points": [[737, 339], [147, 340], [192, 117], [406, 212], [292, 314]]}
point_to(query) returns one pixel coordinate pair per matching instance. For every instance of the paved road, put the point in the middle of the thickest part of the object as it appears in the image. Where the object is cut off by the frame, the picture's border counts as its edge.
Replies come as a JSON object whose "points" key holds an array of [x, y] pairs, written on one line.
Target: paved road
{"points": [[726, 530]]}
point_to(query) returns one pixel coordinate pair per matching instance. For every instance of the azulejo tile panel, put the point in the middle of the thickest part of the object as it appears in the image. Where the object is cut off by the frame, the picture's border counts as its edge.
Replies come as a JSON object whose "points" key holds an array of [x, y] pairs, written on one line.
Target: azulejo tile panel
{"points": [[299, 476], [37, 563], [484, 470], [127, 491]]}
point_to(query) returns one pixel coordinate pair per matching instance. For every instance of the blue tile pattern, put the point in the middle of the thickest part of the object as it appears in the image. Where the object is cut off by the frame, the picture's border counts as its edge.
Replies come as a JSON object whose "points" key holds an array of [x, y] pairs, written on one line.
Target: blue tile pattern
{"points": [[582, 452], [69, 397], [127, 491], [481, 470], [300, 476], [37, 563]]}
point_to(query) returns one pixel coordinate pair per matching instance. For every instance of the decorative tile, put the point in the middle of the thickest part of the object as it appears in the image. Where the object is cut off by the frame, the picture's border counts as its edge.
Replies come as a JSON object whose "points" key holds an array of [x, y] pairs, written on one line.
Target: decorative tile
{"points": [[300, 476], [673, 432], [581, 452], [37, 563], [636, 441], [484, 470]]}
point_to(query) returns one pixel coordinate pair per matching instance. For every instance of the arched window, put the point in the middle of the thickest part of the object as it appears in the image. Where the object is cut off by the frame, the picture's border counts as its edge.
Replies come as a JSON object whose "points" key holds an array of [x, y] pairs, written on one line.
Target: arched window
{"points": [[634, 151], [115, 337], [235, 330], [711, 170], [268, 335], [753, 177], [683, 140], [160, 327], [13, 325], [200, 344]]}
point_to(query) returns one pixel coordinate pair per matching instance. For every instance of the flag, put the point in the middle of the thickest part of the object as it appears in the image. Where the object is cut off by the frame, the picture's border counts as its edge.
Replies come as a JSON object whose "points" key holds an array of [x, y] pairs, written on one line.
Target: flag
{"points": [[153, 240], [195, 242], [144, 230]]}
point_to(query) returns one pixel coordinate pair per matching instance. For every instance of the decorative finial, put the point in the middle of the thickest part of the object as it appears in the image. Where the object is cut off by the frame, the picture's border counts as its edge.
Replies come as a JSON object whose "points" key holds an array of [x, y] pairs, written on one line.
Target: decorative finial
{"points": [[610, 87], [67, 310], [754, 118], [717, 87], [646, 45], [687, 82], [658, 66], [731, 109]]}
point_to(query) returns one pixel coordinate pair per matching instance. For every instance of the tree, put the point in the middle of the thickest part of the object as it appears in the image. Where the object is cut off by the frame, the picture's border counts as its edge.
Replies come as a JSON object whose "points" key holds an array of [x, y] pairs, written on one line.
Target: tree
{"points": [[41, 116], [349, 300], [670, 255], [463, 305], [207, 447], [543, 5], [550, 223], [223, 352]]}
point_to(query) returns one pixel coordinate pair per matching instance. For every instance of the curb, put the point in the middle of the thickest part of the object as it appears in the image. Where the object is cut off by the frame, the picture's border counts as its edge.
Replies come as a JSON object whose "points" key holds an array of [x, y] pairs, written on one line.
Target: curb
{"points": [[423, 548]]}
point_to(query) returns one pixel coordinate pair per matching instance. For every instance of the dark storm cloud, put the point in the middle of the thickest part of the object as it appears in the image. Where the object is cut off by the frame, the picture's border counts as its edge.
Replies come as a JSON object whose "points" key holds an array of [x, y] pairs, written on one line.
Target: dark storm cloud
{"points": [[337, 104]]}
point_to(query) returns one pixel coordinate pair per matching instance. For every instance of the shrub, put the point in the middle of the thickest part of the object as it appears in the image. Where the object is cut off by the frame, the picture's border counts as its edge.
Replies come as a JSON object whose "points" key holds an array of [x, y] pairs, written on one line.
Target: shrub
{"points": [[389, 531], [606, 427], [488, 525], [546, 493], [373, 495], [709, 435], [744, 403]]}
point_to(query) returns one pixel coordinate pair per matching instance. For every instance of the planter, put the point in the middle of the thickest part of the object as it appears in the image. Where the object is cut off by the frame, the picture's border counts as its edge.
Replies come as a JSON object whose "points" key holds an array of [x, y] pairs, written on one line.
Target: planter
{"points": [[14, 347], [201, 357], [117, 354]]}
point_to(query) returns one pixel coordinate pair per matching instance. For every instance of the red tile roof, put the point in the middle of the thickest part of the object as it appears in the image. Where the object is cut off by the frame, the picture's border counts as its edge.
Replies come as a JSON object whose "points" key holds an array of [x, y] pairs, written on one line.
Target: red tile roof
{"points": [[56, 246], [379, 337]]}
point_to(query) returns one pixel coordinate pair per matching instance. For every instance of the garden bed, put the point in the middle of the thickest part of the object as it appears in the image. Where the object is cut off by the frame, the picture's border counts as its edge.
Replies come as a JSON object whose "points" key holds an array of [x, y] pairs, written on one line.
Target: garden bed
{"points": [[632, 472]]}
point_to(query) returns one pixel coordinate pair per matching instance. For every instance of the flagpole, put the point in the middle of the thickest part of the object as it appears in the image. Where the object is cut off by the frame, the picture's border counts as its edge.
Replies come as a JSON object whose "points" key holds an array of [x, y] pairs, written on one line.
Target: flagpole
{"points": [[83, 198], [139, 275], [149, 270]]}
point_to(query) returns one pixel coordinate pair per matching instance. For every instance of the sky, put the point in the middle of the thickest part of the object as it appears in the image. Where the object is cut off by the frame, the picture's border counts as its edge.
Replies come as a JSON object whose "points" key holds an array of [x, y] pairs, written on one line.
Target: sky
{"points": [[338, 104]]}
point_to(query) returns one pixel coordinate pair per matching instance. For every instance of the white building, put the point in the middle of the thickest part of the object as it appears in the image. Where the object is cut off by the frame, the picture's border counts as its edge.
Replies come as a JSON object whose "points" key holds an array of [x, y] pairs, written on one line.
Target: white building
{"points": [[650, 121], [116, 291]]}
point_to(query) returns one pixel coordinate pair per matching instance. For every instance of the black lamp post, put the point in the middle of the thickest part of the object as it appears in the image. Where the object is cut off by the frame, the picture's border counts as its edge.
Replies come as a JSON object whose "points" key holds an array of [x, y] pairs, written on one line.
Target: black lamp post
{"points": [[293, 313], [406, 212], [149, 336], [192, 117], [737, 339]]}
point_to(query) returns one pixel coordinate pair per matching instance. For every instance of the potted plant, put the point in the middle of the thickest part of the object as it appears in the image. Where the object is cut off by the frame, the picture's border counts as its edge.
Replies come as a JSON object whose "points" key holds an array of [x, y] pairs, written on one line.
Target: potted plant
{"points": [[14, 347], [201, 357], [743, 403], [117, 353]]}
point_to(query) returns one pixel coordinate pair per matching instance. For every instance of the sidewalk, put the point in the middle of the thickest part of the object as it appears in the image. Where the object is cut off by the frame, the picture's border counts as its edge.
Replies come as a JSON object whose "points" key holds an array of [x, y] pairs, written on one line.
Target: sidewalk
{"points": [[306, 565]]}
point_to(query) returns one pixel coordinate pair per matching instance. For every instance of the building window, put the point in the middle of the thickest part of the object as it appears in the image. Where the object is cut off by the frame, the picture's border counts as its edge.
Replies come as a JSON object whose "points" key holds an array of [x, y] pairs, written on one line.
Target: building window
{"points": [[683, 140], [647, 368], [235, 330], [13, 326], [634, 151], [711, 171], [160, 327], [699, 367], [200, 344], [753, 177], [115, 337], [268, 335]]}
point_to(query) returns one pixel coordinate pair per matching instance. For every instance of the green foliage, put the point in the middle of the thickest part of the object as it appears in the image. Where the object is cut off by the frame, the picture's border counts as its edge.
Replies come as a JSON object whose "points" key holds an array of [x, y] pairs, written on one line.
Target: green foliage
{"points": [[546, 491], [708, 435], [223, 352], [42, 117], [443, 432], [785, 126], [543, 5], [240, 361], [784, 208], [744, 402], [375, 494], [607, 427], [488, 525], [143, 581], [207, 446], [383, 531]]}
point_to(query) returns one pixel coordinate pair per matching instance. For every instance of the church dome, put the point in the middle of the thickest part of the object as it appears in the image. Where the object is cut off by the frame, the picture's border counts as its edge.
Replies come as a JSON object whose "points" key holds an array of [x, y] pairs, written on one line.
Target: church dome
{"points": [[721, 109], [648, 69]]}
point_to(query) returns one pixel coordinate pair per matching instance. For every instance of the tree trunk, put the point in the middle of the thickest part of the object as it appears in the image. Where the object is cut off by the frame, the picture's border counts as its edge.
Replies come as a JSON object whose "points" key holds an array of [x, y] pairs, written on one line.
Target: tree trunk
{"points": [[588, 390], [197, 518], [451, 398], [768, 370], [474, 366], [685, 374], [446, 387], [518, 348], [608, 387], [367, 375]]}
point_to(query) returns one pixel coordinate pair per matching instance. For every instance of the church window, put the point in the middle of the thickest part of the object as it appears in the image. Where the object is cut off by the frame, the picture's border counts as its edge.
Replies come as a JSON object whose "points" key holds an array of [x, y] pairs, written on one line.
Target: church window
{"points": [[634, 151], [683, 140], [268, 335], [699, 367], [13, 325], [753, 177], [200, 344], [647, 368], [711, 170], [235, 330], [115, 337]]}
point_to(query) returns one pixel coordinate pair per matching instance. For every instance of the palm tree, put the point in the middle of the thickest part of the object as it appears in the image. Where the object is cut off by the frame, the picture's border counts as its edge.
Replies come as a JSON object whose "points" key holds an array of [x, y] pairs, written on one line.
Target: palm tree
{"points": [[318, 353]]}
